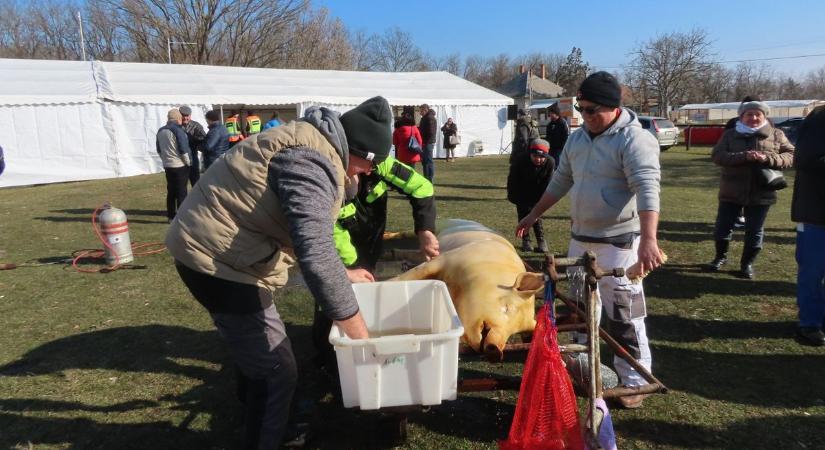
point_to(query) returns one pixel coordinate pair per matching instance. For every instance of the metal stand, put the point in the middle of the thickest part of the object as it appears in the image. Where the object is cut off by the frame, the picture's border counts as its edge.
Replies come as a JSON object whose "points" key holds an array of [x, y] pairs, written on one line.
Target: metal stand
{"points": [[588, 290]]}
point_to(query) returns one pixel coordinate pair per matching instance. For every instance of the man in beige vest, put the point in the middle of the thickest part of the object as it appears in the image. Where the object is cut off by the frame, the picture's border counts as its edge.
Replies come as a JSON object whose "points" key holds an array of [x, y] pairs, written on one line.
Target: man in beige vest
{"points": [[269, 202]]}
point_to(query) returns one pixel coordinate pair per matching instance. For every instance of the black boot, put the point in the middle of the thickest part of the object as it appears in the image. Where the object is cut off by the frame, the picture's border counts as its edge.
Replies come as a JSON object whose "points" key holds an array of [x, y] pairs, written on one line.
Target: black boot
{"points": [[721, 256], [525, 244], [746, 266]]}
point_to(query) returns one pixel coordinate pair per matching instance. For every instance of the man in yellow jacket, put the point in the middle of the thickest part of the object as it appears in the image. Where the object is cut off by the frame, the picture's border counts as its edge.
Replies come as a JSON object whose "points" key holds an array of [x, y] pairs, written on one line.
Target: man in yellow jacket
{"points": [[269, 202]]}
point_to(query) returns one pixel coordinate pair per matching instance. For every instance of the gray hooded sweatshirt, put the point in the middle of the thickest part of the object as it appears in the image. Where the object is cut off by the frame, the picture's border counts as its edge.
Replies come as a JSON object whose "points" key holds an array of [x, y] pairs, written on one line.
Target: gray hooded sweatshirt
{"points": [[610, 178]]}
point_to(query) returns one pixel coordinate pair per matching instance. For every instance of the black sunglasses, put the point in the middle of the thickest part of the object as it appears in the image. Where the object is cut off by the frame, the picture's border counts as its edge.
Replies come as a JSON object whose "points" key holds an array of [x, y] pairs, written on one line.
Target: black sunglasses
{"points": [[589, 109]]}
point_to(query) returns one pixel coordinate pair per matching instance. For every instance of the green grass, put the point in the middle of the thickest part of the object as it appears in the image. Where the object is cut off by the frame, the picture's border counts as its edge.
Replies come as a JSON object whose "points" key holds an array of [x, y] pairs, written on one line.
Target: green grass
{"points": [[129, 360]]}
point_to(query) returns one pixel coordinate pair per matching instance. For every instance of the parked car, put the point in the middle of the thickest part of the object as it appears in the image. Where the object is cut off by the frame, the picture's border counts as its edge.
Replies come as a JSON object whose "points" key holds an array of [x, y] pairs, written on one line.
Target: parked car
{"points": [[790, 127], [663, 129]]}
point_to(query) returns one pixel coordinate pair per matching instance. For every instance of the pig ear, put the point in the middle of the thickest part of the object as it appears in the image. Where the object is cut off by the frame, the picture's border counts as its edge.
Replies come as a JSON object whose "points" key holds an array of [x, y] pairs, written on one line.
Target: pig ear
{"points": [[529, 283]]}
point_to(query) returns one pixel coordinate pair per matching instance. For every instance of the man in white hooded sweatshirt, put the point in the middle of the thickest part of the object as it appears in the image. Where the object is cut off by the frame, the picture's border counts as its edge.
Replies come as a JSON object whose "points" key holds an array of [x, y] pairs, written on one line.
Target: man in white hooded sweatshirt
{"points": [[610, 167]]}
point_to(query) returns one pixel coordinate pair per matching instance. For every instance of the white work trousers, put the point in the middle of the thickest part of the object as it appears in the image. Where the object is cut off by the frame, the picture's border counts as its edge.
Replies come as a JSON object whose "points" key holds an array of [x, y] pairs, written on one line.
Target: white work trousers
{"points": [[624, 303]]}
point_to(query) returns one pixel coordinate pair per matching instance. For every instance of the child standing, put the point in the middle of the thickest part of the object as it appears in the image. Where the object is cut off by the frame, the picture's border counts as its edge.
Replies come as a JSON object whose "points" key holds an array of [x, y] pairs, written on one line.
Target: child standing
{"points": [[528, 178]]}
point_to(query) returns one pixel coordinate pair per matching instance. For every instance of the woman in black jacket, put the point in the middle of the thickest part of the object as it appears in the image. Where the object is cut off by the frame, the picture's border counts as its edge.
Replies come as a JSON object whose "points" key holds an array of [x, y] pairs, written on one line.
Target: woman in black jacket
{"points": [[528, 178], [449, 129]]}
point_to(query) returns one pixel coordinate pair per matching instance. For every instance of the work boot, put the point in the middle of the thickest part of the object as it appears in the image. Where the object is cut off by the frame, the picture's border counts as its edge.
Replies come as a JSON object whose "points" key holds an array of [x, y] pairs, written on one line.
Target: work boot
{"points": [[721, 256], [746, 265], [525, 245], [810, 336], [541, 246]]}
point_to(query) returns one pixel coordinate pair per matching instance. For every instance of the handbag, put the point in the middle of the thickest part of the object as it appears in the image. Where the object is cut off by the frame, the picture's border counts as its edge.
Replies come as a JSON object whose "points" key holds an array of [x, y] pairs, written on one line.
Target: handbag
{"points": [[413, 145], [455, 140], [771, 179]]}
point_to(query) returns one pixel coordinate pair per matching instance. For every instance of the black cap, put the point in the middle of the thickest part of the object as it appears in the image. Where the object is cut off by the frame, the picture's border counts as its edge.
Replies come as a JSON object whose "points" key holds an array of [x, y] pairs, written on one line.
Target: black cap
{"points": [[601, 88], [368, 131]]}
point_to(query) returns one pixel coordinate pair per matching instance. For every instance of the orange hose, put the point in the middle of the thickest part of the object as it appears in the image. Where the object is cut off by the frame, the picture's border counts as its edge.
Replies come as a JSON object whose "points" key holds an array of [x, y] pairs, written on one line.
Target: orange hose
{"points": [[78, 255]]}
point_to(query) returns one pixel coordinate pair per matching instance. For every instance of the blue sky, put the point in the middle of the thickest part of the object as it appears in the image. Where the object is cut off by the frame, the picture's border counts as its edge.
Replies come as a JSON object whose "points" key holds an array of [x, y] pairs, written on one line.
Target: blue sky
{"points": [[605, 30]]}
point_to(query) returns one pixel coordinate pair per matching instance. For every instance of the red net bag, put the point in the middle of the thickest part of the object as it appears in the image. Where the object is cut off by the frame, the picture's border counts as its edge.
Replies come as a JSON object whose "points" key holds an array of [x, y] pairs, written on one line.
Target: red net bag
{"points": [[546, 413]]}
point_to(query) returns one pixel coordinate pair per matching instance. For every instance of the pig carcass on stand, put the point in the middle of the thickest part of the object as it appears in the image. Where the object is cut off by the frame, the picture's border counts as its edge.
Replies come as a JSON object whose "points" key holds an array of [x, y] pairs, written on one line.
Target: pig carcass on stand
{"points": [[487, 282]]}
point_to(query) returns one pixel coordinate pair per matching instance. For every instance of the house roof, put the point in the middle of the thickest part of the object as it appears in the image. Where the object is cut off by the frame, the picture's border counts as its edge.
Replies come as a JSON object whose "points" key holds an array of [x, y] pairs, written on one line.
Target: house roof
{"points": [[517, 87]]}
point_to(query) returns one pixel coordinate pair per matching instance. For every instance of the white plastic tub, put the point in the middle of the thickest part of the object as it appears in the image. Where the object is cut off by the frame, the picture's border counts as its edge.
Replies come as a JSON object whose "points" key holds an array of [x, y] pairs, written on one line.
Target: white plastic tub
{"points": [[411, 357]]}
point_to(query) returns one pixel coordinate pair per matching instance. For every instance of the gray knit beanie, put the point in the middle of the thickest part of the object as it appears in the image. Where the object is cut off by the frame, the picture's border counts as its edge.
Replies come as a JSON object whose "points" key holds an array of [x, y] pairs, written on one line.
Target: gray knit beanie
{"points": [[762, 106]]}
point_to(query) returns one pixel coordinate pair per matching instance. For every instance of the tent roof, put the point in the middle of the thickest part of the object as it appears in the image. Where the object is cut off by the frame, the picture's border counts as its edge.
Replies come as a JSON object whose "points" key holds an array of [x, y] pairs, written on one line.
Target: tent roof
{"points": [[52, 82], [735, 105], [28, 82]]}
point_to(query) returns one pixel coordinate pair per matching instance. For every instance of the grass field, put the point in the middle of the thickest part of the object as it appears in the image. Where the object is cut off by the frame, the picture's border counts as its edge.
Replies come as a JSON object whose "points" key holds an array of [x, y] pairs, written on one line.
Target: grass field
{"points": [[129, 360]]}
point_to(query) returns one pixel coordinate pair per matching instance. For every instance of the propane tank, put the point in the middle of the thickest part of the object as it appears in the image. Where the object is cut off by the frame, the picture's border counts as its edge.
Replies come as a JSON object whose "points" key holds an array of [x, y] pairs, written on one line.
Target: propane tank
{"points": [[115, 232]]}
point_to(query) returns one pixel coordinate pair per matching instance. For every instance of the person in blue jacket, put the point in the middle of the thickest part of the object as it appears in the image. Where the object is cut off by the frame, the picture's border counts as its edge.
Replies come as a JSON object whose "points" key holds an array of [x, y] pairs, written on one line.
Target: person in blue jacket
{"points": [[273, 122], [216, 142]]}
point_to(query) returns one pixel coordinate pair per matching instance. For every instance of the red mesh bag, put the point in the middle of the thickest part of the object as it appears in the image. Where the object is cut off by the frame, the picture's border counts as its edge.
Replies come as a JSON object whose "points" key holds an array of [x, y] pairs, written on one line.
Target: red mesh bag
{"points": [[546, 413]]}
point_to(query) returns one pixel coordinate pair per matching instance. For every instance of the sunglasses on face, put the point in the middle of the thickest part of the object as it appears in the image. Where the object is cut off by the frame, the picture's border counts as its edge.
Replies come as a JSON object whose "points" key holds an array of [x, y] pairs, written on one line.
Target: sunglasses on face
{"points": [[588, 109]]}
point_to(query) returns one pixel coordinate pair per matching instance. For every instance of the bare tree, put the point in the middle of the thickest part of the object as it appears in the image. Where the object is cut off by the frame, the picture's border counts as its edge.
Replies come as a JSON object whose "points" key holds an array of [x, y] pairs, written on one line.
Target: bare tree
{"points": [[499, 70], [362, 57], [712, 85], [668, 63], [552, 64], [474, 69], [448, 63], [751, 79], [815, 84], [395, 51]]}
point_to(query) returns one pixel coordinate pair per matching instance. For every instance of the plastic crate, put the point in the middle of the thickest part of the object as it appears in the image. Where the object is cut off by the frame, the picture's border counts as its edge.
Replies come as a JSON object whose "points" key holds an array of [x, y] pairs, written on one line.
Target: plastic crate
{"points": [[411, 357]]}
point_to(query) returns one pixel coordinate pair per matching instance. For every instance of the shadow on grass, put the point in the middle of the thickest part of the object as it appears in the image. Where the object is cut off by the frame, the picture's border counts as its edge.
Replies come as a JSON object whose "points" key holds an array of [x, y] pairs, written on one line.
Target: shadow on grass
{"points": [[766, 380], [703, 232], [85, 215], [688, 282], [785, 432], [682, 329], [144, 349], [471, 186]]}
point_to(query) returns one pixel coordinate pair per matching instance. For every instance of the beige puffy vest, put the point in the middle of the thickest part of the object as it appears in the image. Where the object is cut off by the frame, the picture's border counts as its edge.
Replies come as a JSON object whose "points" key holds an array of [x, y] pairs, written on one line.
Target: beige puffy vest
{"points": [[231, 224]]}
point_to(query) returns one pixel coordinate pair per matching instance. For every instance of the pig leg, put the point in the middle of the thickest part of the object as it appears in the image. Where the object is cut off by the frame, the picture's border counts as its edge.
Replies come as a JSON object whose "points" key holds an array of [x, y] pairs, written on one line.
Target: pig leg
{"points": [[426, 271]]}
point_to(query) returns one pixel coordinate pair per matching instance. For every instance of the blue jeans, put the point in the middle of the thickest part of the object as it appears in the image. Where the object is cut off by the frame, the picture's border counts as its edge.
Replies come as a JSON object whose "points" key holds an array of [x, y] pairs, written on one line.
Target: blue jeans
{"points": [[754, 223], [427, 162], [810, 290]]}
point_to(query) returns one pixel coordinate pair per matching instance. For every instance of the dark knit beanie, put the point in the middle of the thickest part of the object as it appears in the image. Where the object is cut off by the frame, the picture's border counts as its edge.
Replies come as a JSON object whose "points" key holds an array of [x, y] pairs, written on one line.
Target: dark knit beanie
{"points": [[539, 147], [554, 108], [601, 88], [368, 131]]}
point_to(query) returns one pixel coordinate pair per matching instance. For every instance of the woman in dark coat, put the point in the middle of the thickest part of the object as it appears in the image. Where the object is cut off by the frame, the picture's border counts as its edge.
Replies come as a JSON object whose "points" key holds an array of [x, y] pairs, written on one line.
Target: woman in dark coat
{"points": [[526, 182], [742, 152], [449, 129]]}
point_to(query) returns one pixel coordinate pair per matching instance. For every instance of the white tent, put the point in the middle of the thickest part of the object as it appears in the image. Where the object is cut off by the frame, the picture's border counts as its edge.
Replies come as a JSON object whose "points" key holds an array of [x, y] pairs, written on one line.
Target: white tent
{"points": [[69, 120], [721, 112]]}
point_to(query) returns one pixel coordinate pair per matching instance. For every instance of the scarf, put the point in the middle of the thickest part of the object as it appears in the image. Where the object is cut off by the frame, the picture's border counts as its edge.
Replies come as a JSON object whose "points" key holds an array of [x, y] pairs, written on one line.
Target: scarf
{"points": [[744, 129]]}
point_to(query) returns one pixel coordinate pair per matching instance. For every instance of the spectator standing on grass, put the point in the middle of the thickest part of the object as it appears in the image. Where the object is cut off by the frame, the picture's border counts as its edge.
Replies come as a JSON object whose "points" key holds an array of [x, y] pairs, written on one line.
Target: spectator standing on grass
{"points": [[273, 122], [428, 127], [731, 124], [557, 132], [172, 145], [405, 129], [808, 210], [195, 135], [742, 152], [449, 130], [267, 204], [525, 133], [217, 139], [610, 167], [526, 183]]}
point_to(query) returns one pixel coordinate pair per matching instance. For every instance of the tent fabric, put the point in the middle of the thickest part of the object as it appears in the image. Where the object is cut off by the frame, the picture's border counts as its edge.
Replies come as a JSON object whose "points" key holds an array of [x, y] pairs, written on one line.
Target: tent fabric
{"points": [[44, 82], [70, 120], [183, 83], [735, 105]]}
